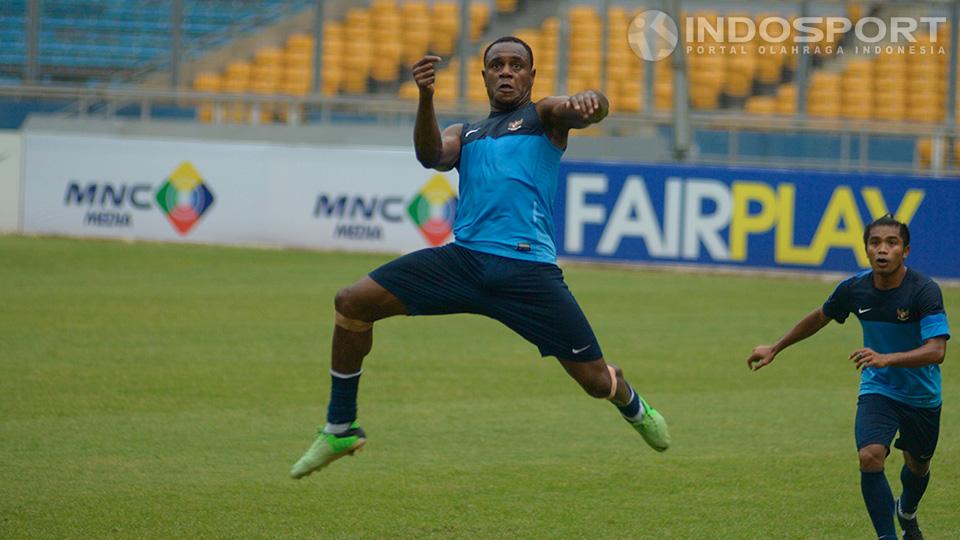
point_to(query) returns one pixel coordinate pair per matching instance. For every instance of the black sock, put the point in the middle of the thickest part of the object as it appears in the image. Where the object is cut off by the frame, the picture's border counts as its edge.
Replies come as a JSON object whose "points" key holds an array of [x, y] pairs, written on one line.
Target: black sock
{"points": [[343, 398]]}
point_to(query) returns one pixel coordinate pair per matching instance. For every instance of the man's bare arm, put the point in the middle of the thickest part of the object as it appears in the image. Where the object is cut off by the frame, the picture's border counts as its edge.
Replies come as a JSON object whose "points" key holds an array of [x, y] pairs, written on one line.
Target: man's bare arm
{"points": [[435, 150], [573, 112], [808, 326]]}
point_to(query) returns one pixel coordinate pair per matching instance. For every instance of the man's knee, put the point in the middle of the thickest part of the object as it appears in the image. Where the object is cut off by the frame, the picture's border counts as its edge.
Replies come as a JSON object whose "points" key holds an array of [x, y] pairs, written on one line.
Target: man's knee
{"points": [[917, 467], [872, 457], [350, 310]]}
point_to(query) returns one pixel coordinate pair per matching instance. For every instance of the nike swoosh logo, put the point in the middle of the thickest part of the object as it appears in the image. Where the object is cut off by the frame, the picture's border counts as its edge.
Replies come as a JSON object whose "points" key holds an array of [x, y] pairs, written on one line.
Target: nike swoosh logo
{"points": [[467, 134], [578, 351], [862, 311]]}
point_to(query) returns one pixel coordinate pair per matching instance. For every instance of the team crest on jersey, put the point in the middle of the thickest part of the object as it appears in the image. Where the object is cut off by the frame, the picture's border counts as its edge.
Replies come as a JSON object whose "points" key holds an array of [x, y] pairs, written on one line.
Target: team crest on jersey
{"points": [[515, 125], [903, 314]]}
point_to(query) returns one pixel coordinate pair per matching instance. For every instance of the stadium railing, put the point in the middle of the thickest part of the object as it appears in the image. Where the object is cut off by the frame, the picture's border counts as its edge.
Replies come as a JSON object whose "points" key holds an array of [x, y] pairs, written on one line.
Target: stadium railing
{"points": [[851, 145]]}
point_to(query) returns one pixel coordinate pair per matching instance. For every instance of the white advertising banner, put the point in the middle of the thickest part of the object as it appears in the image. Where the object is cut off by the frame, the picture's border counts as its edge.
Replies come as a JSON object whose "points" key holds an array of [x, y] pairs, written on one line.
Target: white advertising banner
{"points": [[351, 198], [10, 155]]}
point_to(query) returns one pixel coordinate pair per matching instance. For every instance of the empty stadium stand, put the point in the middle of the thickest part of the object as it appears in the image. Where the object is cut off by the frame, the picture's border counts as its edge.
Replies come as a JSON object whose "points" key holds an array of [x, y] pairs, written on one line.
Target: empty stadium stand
{"points": [[96, 41], [368, 46]]}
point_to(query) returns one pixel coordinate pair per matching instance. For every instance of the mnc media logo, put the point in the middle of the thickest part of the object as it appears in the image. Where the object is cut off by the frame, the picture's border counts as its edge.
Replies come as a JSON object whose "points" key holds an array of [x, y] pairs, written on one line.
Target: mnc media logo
{"points": [[433, 210], [184, 197]]}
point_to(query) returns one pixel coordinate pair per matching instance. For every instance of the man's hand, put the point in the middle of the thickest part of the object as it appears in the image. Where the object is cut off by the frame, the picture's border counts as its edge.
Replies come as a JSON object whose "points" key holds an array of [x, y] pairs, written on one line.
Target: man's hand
{"points": [[588, 105], [425, 75], [867, 357], [762, 355]]}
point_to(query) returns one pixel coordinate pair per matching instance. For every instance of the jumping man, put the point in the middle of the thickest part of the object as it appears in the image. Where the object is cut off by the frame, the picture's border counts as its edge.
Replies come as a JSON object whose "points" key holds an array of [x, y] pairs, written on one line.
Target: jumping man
{"points": [[502, 263]]}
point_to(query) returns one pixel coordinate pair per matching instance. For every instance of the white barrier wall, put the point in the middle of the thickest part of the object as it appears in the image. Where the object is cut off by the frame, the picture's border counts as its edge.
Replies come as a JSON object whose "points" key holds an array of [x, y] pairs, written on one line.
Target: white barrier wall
{"points": [[10, 181], [234, 193]]}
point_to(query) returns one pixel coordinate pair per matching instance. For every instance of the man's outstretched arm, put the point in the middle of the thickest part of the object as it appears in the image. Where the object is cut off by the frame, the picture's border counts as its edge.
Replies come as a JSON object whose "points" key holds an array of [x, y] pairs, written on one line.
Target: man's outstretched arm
{"points": [[808, 326], [574, 112], [435, 150]]}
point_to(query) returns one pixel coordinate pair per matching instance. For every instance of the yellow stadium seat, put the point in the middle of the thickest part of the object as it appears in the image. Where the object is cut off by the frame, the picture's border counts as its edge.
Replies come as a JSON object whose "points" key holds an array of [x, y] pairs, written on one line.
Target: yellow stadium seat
{"points": [[764, 105], [582, 12], [630, 96], [268, 56], [506, 6], [409, 90], [928, 113], [857, 110], [239, 70], [823, 110], [886, 84], [304, 41], [769, 68], [738, 85], [855, 82], [890, 112], [206, 82], [293, 58], [787, 99], [617, 71], [704, 97], [924, 151], [860, 67]]}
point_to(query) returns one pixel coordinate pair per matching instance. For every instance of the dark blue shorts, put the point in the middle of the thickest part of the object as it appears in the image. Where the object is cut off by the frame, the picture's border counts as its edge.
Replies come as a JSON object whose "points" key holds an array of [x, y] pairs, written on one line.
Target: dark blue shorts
{"points": [[531, 298], [879, 418]]}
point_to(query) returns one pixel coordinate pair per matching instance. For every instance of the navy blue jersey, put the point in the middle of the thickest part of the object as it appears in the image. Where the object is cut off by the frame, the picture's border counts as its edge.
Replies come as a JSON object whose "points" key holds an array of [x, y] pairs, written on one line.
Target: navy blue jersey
{"points": [[895, 320], [508, 182]]}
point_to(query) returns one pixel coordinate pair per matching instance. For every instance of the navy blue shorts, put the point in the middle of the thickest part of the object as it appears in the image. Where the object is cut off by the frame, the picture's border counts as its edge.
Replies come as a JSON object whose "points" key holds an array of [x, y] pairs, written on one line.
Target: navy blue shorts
{"points": [[529, 297], [879, 418]]}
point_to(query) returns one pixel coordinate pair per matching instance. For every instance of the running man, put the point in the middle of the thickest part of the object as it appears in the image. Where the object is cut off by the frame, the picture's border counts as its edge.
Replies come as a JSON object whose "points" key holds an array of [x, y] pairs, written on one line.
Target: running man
{"points": [[502, 263], [905, 337]]}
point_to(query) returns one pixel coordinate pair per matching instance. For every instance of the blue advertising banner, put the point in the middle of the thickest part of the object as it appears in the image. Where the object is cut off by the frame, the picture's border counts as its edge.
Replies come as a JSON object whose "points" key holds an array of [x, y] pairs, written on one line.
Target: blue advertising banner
{"points": [[750, 218]]}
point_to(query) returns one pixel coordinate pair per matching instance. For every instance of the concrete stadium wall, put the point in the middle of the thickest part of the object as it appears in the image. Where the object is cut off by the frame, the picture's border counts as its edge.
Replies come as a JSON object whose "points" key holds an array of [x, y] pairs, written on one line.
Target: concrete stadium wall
{"points": [[10, 181]]}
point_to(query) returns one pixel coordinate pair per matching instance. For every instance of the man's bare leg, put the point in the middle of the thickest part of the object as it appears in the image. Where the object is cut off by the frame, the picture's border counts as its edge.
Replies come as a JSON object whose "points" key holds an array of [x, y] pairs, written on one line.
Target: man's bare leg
{"points": [[357, 308], [605, 381]]}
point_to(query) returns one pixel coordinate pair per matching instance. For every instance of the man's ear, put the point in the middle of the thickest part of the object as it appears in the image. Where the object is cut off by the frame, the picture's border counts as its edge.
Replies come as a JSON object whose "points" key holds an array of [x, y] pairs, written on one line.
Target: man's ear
{"points": [[906, 251]]}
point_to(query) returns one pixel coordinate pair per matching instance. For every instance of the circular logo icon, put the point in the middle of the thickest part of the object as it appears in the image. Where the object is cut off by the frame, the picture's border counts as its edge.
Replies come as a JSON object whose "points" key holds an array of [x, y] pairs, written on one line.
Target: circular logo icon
{"points": [[652, 35]]}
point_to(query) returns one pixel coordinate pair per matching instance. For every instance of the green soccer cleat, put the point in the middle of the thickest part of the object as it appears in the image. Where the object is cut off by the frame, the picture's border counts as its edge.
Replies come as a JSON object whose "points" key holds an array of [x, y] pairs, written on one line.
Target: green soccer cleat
{"points": [[327, 449], [653, 427]]}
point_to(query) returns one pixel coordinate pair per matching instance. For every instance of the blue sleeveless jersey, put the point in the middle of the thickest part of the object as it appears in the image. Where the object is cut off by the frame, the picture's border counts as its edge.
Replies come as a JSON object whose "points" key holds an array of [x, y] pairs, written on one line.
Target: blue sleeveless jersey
{"points": [[508, 182], [895, 320]]}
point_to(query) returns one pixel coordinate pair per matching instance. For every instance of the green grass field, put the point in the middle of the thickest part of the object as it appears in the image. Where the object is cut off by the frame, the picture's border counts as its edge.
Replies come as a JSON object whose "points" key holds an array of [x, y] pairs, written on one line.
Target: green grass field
{"points": [[160, 391]]}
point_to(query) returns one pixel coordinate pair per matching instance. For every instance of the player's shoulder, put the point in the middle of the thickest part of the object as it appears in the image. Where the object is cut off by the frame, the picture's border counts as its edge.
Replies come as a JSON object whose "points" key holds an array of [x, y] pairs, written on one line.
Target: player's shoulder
{"points": [[859, 279], [918, 277], [921, 282]]}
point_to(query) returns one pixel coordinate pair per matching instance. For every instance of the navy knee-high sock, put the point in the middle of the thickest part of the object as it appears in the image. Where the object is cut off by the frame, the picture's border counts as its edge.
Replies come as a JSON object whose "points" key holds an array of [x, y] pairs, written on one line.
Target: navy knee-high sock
{"points": [[913, 488], [343, 399], [880, 504], [631, 410]]}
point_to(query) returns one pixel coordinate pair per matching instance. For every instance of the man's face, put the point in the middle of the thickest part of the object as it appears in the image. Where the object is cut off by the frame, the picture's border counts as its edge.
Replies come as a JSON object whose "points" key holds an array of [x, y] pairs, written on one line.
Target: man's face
{"points": [[885, 249], [508, 75]]}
